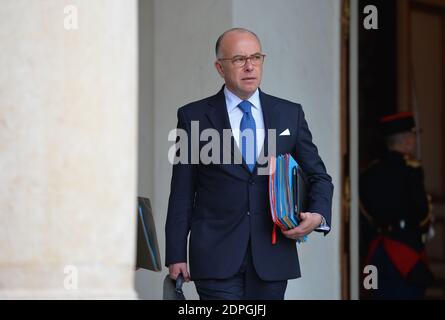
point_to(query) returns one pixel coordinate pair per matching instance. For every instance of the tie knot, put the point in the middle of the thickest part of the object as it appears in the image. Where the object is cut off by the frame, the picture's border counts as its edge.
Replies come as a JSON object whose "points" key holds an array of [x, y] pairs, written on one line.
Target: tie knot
{"points": [[245, 106]]}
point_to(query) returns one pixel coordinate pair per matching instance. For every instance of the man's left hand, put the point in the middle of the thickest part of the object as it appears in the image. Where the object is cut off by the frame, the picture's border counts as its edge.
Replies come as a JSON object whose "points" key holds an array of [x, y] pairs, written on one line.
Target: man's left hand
{"points": [[309, 221]]}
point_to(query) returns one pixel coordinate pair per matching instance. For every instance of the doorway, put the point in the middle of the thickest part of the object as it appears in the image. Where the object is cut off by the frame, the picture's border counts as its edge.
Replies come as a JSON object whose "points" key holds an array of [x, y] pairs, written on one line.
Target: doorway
{"points": [[402, 68]]}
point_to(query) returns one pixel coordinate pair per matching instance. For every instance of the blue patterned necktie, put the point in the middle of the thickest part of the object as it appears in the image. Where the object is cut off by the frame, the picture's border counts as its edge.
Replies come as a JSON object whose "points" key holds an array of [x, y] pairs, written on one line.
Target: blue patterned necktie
{"points": [[248, 123]]}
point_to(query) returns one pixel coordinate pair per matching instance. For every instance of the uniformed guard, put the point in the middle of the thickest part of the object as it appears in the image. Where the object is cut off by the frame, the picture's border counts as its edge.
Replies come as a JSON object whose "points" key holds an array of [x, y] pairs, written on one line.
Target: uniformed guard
{"points": [[397, 211]]}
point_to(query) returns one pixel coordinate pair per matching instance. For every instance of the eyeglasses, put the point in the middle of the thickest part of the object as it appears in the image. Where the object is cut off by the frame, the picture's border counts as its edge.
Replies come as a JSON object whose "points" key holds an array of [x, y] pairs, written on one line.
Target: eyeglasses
{"points": [[240, 61]]}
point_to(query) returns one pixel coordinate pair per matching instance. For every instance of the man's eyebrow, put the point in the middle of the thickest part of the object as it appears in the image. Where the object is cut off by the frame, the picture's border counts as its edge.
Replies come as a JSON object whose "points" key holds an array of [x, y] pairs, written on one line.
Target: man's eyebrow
{"points": [[242, 55]]}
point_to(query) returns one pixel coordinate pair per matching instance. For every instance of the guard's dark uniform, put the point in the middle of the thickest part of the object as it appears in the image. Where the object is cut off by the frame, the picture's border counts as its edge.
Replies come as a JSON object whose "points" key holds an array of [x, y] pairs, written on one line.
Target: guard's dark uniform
{"points": [[397, 213]]}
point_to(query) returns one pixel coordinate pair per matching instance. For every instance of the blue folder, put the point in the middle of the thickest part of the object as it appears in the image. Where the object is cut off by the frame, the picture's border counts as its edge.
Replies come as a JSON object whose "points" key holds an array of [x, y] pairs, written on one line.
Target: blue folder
{"points": [[288, 197]]}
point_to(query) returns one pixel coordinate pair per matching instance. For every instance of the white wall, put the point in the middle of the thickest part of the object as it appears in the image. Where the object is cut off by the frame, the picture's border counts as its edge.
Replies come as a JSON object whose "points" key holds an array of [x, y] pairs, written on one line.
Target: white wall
{"points": [[144, 280], [145, 99], [302, 41]]}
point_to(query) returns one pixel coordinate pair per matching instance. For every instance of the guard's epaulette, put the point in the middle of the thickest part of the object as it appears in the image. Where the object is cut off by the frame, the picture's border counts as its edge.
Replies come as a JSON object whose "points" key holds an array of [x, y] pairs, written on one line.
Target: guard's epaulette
{"points": [[411, 162]]}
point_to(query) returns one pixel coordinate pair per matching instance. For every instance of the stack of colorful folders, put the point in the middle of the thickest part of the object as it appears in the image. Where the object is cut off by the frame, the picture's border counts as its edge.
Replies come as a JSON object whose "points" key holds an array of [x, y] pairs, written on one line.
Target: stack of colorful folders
{"points": [[287, 193]]}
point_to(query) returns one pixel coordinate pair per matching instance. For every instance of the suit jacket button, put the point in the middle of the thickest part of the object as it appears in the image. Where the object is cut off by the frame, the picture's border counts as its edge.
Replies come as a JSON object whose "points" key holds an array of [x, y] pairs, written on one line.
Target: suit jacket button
{"points": [[251, 182], [248, 213]]}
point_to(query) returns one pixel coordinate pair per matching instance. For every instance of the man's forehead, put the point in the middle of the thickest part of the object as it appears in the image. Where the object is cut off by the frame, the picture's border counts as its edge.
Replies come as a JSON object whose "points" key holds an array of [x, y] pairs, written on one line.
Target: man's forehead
{"points": [[240, 41]]}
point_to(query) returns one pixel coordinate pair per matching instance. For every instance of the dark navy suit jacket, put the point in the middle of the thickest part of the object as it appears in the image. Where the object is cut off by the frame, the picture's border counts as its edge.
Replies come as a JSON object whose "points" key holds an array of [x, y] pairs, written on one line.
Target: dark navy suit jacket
{"points": [[223, 206]]}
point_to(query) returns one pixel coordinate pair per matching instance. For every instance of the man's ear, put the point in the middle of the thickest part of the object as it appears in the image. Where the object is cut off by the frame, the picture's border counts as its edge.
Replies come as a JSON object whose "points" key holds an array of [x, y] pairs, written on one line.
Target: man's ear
{"points": [[219, 68]]}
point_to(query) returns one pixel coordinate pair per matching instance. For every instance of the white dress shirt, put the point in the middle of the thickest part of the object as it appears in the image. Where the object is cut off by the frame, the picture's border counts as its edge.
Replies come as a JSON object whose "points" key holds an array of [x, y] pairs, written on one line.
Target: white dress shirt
{"points": [[236, 114]]}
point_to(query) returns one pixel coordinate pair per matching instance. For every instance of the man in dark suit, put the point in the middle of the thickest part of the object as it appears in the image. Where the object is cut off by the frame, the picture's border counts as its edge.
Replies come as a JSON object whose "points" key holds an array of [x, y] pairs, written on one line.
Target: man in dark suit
{"points": [[225, 206]]}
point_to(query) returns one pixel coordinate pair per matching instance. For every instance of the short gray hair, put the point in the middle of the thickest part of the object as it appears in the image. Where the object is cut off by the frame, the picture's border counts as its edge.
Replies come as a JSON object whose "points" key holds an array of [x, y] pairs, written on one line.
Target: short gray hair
{"points": [[218, 42]]}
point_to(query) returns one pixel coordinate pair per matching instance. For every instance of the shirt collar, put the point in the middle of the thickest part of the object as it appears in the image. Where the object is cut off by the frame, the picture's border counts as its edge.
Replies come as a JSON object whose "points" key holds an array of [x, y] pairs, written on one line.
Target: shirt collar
{"points": [[232, 100]]}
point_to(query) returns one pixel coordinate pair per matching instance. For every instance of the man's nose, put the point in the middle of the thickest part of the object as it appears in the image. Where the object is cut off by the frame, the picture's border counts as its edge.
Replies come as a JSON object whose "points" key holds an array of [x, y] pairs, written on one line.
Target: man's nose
{"points": [[248, 66]]}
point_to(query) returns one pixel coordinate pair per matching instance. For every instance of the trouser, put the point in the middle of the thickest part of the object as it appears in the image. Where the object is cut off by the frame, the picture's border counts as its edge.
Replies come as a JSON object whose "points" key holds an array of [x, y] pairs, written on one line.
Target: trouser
{"points": [[392, 285], [244, 285]]}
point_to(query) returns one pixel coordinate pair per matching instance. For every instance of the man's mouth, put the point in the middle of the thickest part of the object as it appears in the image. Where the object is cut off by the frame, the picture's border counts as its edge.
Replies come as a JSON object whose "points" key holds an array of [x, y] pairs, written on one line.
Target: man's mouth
{"points": [[248, 79]]}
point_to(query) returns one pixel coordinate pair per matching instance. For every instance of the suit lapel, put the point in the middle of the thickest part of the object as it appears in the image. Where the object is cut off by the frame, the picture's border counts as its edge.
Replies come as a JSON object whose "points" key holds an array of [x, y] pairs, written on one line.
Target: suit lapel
{"points": [[219, 118], [271, 121]]}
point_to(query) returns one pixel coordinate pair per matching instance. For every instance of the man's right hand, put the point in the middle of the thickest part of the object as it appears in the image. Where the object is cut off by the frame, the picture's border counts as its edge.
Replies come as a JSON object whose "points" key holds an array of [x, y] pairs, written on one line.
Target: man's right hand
{"points": [[175, 269]]}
